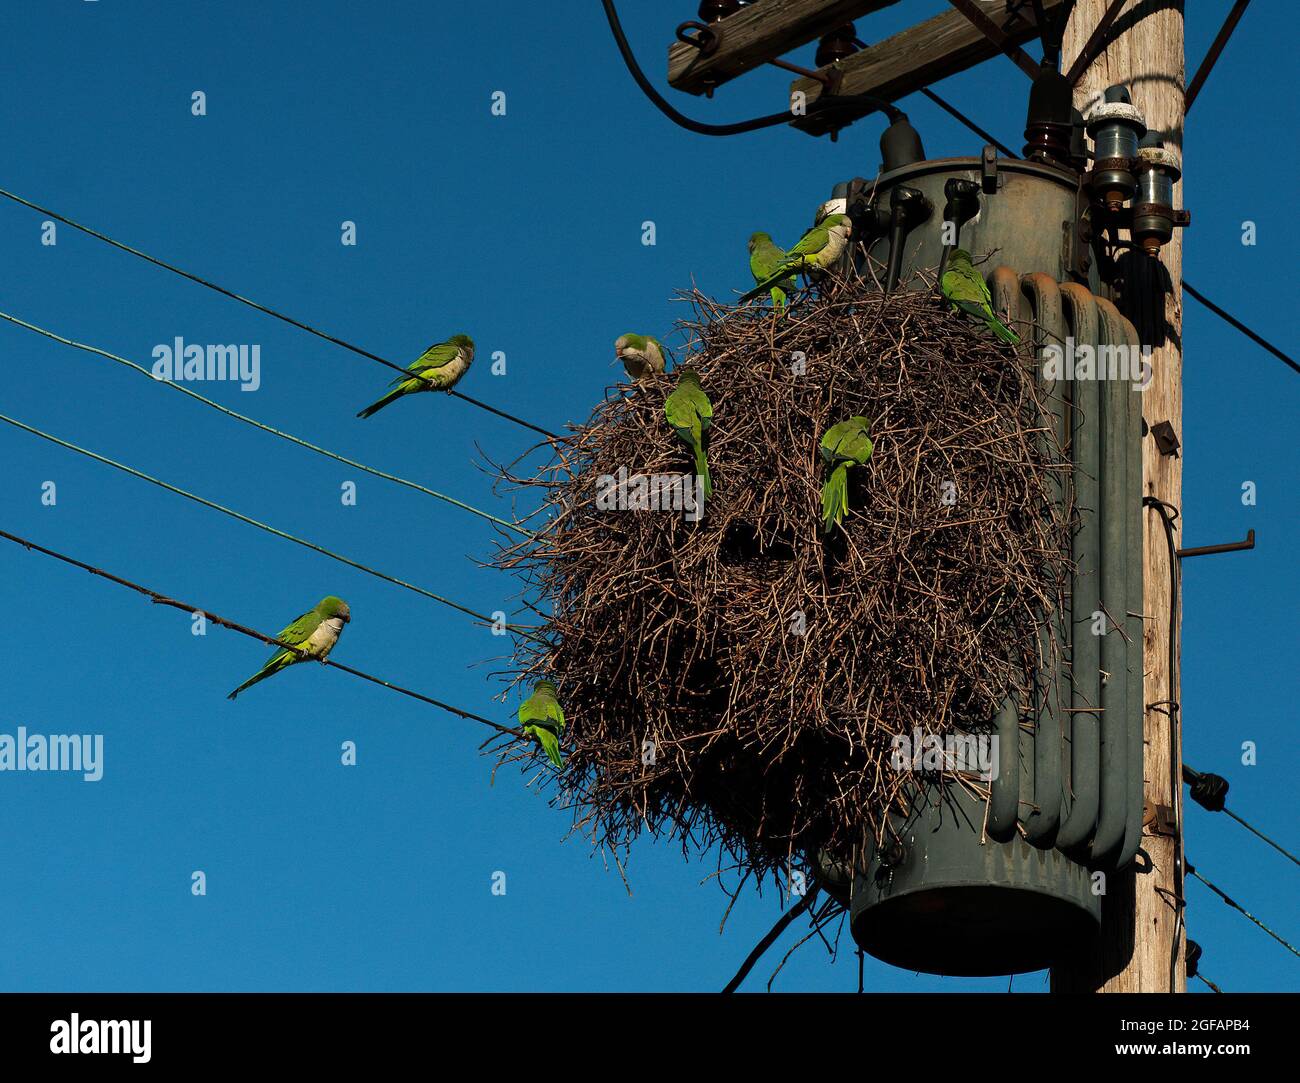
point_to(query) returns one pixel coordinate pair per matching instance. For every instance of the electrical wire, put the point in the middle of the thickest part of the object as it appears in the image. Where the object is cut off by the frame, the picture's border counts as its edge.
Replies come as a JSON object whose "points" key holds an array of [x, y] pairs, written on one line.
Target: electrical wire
{"points": [[1168, 513], [1212, 56], [162, 599], [266, 310], [1259, 834], [267, 428], [1257, 339], [1208, 982], [824, 103], [774, 934], [264, 526], [1237, 906]]}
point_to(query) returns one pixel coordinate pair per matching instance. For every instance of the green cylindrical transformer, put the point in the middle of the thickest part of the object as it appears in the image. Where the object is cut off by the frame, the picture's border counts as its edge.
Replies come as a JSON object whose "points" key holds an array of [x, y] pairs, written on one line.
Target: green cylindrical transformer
{"points": [[969, 885]]}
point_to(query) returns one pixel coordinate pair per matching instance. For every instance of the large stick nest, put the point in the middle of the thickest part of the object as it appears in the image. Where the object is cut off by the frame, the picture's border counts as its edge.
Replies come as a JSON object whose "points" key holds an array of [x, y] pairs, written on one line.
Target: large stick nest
{"points": [[739, 679]]}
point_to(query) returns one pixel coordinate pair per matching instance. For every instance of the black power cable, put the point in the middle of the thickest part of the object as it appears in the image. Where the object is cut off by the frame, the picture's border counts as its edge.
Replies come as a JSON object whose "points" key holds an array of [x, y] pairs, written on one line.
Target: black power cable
{"points": [[1168, 513], [825, 103]]}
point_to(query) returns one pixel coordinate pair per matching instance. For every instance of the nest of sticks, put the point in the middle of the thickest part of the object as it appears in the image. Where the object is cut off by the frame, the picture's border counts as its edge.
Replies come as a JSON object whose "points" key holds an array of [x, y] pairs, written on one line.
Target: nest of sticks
{"points": [[740, 679]]}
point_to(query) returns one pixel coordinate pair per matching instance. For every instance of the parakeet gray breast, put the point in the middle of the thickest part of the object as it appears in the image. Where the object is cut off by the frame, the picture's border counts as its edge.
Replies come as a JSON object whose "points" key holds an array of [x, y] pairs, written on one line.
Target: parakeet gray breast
{"points": [[836, 238], [322, 641]]}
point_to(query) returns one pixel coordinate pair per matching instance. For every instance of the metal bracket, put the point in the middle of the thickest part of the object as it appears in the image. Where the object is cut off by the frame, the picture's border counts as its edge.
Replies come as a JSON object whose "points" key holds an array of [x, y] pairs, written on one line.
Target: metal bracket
{"points": [[989, 169], [1159, 819], [1209, 550]]}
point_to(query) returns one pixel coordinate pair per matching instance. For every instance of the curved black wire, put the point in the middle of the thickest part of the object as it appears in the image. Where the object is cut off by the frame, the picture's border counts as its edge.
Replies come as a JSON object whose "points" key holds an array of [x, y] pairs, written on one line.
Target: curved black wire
{"points": [[825, 103], [1168, 513]]}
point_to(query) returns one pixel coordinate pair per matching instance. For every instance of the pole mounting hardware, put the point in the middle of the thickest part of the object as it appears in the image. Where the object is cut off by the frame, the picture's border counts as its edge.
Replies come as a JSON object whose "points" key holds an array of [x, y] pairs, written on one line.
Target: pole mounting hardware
{"points": [[1159, 819], [1165, 437], [1227, 547]]}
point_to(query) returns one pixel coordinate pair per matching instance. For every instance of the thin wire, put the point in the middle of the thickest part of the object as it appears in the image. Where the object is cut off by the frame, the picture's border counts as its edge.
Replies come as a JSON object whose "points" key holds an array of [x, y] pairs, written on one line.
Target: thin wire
{"points": [[1259, 834], [266, 428], [1208, 982], [262, 308], [162, 599], [1168, 513], [773, 934], [262, 526], [1237, 906], [956, 113], [1211, 57], [1240, 326]]}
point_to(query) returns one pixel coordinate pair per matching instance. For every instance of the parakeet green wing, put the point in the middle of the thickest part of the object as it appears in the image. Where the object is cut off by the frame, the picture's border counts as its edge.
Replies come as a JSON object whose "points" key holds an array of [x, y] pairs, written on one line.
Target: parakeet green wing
{"points": [[764, 258], [843, 445], [965, 287], [800, 258], [690, 413], [295, 634], [542, 718]]}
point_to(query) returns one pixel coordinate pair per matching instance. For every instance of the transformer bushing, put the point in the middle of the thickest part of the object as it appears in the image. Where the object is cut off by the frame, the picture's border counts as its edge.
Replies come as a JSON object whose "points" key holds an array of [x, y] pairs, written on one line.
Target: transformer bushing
{"points": [[1115, 125], [1154, 217]]}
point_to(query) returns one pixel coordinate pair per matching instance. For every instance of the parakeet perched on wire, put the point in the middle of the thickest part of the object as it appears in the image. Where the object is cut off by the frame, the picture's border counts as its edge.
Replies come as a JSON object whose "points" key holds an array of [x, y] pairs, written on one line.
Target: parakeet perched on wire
{"points": [[640, 354], [543, 720], [965, 287], [690, 414], [437, 369], [845, 444], [764, 258], [817, 250], [315, 632]]}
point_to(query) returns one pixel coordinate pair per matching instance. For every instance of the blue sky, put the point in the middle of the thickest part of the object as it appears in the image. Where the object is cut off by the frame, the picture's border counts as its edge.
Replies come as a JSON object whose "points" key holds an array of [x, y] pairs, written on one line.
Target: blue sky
{"points": [[523, 230]]}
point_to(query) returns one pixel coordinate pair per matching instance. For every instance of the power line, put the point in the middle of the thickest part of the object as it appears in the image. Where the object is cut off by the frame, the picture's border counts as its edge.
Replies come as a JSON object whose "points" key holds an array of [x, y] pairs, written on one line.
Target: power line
{"points": [[263, 308], [262, 526], [824, 103], [1208, 982], [1237, 906], [1240, 326], [1211, 57], [162, 599], [960, 116], [1209, 791], [266, 428], [1259, 834], [773, 935]]}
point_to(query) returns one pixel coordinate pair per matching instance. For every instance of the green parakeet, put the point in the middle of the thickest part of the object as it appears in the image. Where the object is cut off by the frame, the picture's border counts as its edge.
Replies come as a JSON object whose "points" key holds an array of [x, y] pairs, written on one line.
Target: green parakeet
{"points": [[543, 720], [437, 369], [640, 354], [817, 250], [764, 258], [965, 287], [316, 632], [845, 444], [690, 414]]}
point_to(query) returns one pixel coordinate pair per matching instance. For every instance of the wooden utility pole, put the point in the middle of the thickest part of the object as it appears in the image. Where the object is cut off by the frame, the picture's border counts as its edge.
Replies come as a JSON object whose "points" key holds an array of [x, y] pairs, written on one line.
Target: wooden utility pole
{"points": [[1141, 945]]}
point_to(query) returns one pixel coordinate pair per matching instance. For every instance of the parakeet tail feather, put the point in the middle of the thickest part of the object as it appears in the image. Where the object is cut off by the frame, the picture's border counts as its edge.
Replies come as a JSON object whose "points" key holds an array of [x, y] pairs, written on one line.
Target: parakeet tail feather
{"points": [[702, 470], [1002, 331], [375, 407], [835, 497]]}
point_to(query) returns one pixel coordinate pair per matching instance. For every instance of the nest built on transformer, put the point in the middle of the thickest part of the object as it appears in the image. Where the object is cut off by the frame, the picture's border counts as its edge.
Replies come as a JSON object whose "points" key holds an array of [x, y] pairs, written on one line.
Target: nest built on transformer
{"points": [[743, 678]]}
